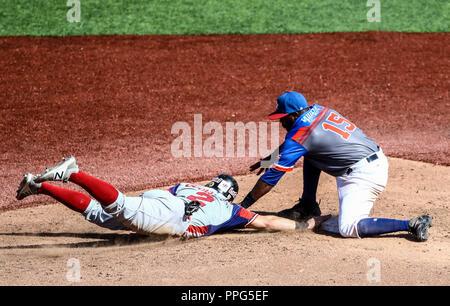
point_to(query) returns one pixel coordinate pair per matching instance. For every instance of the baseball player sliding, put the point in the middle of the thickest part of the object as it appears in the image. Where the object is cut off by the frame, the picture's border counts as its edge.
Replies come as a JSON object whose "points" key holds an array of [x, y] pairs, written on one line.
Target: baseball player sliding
{"points": [[331, 143], [186, 210]]}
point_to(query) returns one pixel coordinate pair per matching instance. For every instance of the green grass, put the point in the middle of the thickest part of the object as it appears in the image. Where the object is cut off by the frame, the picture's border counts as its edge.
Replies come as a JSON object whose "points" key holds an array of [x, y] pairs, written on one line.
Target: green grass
{"points": [[48, 17]]}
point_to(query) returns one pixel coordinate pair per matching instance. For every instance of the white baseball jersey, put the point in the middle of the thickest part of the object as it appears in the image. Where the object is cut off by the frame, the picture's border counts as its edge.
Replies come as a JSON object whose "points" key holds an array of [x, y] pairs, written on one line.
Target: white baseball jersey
{"points": [[215, 213], [162, 212]]}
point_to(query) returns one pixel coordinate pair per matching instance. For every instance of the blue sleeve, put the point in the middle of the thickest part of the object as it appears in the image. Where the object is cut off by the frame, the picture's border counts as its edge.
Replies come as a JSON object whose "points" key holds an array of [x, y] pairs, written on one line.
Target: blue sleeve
{"points": [[290, 153], [272, 176], [240, 218]]}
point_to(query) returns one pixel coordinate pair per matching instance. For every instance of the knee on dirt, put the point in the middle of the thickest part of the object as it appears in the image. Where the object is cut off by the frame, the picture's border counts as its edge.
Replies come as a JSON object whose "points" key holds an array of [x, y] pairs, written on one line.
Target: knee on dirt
{"points": [[348, 229]]}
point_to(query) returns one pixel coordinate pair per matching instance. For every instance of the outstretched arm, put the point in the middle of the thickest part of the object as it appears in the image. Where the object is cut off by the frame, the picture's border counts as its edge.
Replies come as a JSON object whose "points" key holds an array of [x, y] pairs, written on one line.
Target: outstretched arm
{"points": [[290, 152], [275, 223], [260, 189]]}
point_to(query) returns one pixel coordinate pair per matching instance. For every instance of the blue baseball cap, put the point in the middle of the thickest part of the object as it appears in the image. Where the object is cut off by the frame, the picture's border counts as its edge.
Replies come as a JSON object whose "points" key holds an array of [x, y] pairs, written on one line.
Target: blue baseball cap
{"points": [[289, 102]]}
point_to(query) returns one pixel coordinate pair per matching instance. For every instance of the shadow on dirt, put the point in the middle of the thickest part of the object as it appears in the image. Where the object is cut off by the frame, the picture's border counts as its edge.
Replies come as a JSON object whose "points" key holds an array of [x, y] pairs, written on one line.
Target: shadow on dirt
{"points": [[402, 235], [103, 240], [266, 213]]}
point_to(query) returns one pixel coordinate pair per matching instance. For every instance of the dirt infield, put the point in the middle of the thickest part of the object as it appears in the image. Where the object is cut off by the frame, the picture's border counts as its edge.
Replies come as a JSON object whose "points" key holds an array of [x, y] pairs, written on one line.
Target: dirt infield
{"points": [[37, 243], [112, 100]]}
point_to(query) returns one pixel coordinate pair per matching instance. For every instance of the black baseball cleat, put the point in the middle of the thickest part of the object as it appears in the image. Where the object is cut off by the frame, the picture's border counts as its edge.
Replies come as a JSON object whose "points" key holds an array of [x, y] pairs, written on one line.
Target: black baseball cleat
{"points": [[292, 213], [303, 210], [419, 226]]}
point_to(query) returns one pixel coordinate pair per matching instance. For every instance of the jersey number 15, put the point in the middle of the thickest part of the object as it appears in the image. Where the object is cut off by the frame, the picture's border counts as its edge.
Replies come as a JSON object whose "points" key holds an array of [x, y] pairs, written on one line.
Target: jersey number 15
{"points": [[341, 126]]}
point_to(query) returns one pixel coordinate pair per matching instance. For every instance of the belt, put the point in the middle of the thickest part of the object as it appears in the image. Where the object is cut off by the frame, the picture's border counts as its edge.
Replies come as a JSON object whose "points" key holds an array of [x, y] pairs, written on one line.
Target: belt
{"points": [[367, 160]]}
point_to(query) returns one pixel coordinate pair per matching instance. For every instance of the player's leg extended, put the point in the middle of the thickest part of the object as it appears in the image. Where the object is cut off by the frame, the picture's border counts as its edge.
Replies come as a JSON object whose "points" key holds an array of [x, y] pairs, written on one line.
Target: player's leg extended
{"points": [[357, 195], [102, 191], [67, 170], [136, 213], [129, 211], [417, 226], [354, 218], [72, 199], [77, 201]]}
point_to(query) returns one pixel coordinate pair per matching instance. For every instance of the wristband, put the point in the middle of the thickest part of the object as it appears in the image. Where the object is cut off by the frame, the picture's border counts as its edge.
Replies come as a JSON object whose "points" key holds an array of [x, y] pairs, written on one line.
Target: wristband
{"points": [[300, 225], [248, 201]]}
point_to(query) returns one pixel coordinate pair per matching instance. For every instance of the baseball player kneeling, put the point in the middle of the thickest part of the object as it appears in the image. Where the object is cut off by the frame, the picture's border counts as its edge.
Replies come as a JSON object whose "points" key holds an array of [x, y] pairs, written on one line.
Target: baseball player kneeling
{"points": [[332, 144], [186, 210]]}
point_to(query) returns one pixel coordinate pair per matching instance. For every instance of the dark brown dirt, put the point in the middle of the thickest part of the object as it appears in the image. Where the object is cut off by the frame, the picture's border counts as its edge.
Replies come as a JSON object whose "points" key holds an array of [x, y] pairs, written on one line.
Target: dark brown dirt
{"points": [[111, 100]]}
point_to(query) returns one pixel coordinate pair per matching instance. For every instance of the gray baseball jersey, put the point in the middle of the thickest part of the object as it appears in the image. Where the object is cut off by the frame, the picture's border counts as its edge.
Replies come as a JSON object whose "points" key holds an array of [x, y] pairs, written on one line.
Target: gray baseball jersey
{"points": [[326, 139]]}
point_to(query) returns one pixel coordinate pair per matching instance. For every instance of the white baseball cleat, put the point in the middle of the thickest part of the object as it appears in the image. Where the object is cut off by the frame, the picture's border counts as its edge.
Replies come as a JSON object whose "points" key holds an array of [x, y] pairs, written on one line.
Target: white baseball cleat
{"points": [[60, 172], [27, 187]]}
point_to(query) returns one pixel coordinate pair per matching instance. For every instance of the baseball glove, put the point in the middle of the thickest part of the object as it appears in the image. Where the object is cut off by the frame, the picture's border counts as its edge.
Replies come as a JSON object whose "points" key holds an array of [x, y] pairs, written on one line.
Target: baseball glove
{"points": [[302, 210]]}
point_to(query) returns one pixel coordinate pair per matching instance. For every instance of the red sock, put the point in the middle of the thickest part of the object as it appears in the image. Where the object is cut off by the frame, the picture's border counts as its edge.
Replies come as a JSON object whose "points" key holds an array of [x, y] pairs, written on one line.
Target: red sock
{"points": [[73, 199], [102, 191]]}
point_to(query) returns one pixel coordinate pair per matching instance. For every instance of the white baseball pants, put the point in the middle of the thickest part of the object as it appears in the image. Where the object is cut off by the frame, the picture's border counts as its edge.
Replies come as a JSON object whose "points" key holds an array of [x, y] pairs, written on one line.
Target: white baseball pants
{"points": [[358, 192], [154, 212]]}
